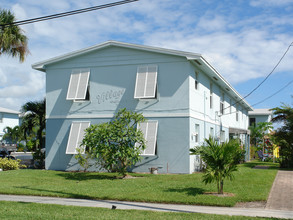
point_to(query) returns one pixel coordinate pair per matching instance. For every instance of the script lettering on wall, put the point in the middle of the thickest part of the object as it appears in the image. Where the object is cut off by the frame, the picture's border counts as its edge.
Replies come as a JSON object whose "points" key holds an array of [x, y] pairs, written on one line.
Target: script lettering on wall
{"points": [[110, 96]]}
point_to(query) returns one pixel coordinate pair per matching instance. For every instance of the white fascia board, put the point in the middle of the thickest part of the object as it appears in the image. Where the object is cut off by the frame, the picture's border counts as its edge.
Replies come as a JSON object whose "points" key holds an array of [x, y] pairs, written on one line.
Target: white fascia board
{"points": [[41, 66], [214, 73], [6, 110]]}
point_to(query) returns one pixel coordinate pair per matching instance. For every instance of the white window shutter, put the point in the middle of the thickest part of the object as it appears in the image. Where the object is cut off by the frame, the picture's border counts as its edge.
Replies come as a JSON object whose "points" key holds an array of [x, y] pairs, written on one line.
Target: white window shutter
{"points": [[78, 84], [149, 130], [146, 82], [73, 84], [83, 84], [141, 78], [76, 134], [151, 84]]}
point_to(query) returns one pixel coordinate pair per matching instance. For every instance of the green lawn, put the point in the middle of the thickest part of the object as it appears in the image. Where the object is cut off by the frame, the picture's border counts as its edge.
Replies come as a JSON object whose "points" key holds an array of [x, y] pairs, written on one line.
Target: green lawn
{"points": [[249, 185], [23, 211]]}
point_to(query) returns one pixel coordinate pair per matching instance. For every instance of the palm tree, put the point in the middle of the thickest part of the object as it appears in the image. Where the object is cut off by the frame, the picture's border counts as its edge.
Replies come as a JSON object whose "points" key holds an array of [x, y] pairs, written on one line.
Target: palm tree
{"points": [[284, 135], [12, 40], [34, 118], [12, 134], [220, 159]]}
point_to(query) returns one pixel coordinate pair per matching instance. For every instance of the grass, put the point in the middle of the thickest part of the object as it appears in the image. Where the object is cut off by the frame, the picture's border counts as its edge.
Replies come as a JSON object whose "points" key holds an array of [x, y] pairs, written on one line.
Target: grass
{"points": [[23, 211], [249, 185]]}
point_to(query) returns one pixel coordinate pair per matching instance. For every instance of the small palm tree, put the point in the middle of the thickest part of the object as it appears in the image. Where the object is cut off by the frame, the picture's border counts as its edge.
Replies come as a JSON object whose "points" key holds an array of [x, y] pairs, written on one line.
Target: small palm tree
{"points": [[12, 134], [220, 159], [12, 40]]}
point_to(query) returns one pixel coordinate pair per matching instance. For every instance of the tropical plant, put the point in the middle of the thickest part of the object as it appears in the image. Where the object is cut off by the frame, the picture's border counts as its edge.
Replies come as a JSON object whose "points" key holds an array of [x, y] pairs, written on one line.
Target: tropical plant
{"points": [[220, 160], [116, 144], [258, 133], [34, 121], [284, 134], [12, 40], [12, 135]]}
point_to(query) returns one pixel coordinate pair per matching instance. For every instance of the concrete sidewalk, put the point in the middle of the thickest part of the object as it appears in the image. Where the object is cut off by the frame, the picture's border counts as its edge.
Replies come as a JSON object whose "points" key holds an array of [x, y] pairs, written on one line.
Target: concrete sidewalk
{"points": [[152, 206], [281, 195]]}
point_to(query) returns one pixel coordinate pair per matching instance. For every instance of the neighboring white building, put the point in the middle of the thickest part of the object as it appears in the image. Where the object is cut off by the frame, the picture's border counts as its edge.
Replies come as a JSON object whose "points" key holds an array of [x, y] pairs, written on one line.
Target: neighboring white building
{"points": [[260, 115], [8, 118]]}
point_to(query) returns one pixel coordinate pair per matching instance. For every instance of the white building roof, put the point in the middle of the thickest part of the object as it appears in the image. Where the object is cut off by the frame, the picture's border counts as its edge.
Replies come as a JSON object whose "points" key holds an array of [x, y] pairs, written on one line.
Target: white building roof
{"points": [[260, 112], [6, 110], [195, 58]]}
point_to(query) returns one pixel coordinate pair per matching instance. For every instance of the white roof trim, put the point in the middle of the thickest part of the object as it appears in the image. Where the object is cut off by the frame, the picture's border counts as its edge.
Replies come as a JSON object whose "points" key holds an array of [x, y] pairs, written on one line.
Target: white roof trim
{"points": [[41, 65], [6, 110]]}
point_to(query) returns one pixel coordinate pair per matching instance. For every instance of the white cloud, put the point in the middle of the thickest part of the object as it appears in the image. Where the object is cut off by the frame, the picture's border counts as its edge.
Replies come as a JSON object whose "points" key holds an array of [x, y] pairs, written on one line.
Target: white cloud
{"points": [[279, 3]]}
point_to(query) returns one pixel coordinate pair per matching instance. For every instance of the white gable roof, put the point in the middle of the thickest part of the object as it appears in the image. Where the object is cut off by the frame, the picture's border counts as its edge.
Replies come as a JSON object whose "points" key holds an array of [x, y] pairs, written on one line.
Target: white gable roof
{"points": [[195, 58], [6, 110]]}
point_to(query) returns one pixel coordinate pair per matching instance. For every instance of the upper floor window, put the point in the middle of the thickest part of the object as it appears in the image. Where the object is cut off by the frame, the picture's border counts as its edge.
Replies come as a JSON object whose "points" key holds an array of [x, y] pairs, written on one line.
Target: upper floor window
{"points": [[149, 130], [212, 132], [146, 82], [1, 117], [196, 80], [78, 89], [211, 95], [237, 113], [76, 134], [222, 103]]}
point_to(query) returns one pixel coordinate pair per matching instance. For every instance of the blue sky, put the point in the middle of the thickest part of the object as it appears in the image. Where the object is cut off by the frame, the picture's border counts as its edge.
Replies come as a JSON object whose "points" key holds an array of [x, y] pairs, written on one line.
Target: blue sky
{"points": [[242, 39]]}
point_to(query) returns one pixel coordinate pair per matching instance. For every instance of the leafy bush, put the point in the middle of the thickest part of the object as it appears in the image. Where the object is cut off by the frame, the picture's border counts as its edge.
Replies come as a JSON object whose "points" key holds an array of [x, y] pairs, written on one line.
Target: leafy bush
{"points": [[9, 164]]}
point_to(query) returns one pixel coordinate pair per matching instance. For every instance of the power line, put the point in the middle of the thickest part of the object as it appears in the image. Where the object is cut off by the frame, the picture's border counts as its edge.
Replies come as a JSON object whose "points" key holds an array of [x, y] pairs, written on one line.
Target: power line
{"points": [[264, 79], [64, 14], [274, 93]]}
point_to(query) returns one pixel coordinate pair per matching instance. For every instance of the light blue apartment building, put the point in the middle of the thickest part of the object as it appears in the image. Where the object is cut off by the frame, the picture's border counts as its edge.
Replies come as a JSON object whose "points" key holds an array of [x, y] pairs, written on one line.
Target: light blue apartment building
{"points": [[183, 97]]}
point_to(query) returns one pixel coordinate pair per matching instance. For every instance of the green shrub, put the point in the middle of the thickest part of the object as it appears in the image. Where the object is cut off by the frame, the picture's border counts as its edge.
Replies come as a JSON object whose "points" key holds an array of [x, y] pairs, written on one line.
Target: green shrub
{"points": [[9, 164]]}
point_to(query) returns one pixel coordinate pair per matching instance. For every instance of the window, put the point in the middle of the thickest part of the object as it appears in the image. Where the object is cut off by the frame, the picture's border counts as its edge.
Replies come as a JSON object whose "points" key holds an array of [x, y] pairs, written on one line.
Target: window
{"points": [[1, 117], [211, 95], [230, 106], [78, 88], [196, 133], [252, 122], [212, 132], [237, 113], [76, 134], [222, 103], [222, 136], [149, 130], [146, 82], [196, 80]]}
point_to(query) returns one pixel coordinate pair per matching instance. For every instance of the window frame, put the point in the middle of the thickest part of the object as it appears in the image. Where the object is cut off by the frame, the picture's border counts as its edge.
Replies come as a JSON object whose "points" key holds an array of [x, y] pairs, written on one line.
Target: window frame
{"points": [[147, 82], [69, 148], [146, 137], [76, 85], [211, 95]]}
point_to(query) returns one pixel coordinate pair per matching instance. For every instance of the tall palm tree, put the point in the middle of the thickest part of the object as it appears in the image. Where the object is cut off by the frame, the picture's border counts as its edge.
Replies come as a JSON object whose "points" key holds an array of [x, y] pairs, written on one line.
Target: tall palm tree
{"points": [[284, 135], [12, 40], [34, 117]]}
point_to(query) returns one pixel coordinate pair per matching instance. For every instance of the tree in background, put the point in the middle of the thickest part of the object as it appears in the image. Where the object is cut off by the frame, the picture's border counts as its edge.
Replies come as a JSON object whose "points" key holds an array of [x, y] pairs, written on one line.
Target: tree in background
{"points": [[34, 120], [33, 125], [12, 40], [220, 160], [284, 135], [12, 135], [117, 144], [258, 134]]}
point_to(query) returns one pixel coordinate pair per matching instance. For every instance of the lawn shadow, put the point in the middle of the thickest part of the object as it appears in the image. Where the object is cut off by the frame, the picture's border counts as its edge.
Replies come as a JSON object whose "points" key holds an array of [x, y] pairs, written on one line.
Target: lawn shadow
{"points": [[259, 164], [81, 176], [55, 193], [192, 191]]}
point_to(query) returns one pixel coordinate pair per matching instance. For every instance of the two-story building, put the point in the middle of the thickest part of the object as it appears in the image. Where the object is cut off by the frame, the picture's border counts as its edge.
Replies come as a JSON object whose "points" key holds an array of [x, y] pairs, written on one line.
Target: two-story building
{"points": [[183, 97]]}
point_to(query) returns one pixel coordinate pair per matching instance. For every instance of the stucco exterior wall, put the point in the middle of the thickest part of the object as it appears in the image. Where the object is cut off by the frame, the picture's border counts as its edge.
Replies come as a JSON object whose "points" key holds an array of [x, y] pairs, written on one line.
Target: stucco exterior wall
{"points": [[8, 120]]}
